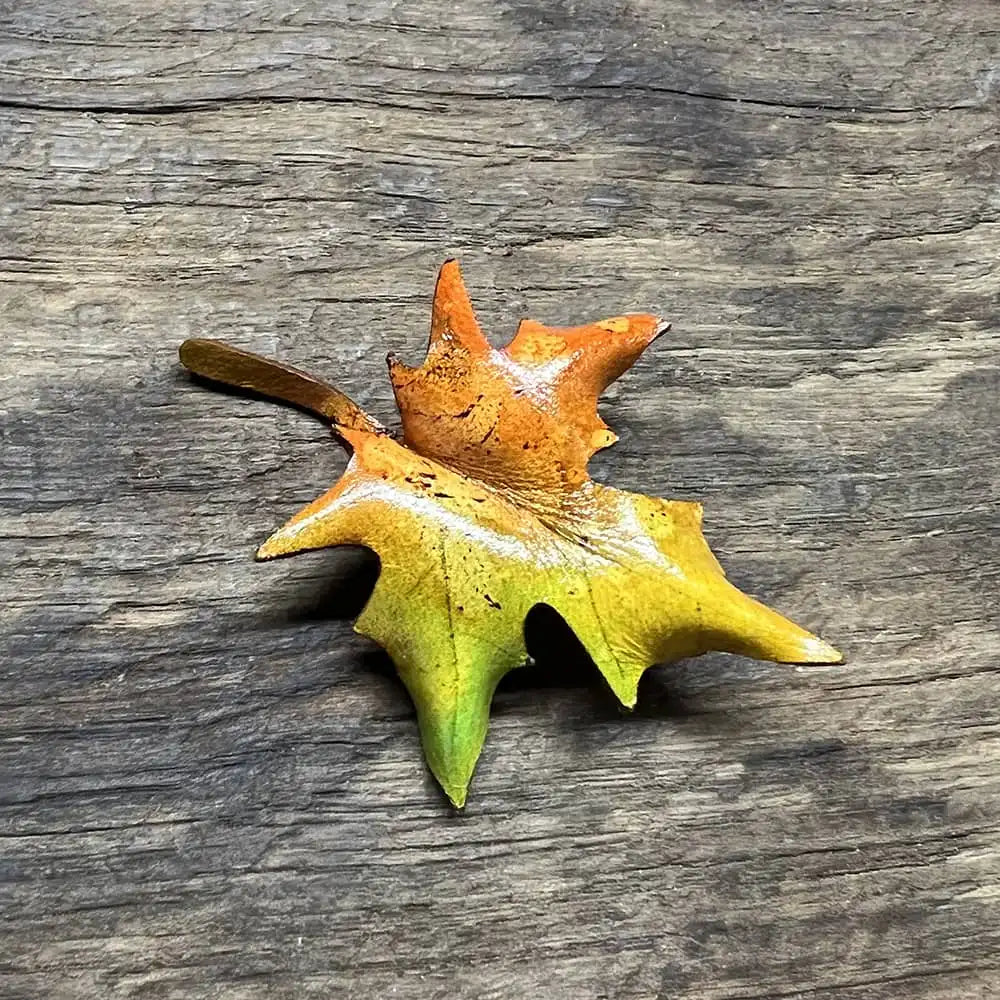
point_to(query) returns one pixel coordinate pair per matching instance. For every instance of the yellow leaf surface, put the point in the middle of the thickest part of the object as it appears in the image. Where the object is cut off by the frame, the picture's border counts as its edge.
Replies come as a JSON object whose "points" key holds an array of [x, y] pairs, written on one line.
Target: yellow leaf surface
{"points": [[485, 510]]}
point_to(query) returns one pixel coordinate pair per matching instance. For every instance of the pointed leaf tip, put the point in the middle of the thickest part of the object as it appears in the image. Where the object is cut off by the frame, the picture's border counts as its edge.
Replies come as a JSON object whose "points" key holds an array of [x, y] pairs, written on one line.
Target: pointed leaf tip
{"points": [[453, 320], [815, 650], [265, 552], [456, 795]]}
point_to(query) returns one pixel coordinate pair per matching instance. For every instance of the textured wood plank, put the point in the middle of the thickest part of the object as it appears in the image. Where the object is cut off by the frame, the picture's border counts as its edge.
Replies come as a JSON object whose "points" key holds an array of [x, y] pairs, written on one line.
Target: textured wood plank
{"points": [[210, 786]]}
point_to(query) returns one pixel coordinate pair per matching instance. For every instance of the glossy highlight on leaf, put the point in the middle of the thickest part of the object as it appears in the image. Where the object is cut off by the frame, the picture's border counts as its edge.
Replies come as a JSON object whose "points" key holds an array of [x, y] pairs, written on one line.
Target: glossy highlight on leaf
{"points": [[485, 509]]}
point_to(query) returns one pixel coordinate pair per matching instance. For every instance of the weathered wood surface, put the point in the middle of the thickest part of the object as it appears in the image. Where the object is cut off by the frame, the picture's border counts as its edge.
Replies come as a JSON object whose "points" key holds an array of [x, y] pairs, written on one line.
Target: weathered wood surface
{"points": [[211, 787]]}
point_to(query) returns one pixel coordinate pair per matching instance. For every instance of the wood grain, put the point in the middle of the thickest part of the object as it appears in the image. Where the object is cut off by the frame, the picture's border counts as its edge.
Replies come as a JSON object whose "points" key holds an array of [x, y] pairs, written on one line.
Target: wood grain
{"points": [[210, 786]]}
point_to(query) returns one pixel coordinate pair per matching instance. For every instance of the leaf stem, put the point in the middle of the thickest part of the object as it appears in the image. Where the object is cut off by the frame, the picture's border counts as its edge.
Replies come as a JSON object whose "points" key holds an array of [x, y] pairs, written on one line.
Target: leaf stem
{"points": [[221, 362]]}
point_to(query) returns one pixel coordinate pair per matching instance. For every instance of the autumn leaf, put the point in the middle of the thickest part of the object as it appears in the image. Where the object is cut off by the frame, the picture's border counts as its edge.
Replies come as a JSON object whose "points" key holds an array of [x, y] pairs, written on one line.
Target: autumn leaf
{"points": [[485, 510]]}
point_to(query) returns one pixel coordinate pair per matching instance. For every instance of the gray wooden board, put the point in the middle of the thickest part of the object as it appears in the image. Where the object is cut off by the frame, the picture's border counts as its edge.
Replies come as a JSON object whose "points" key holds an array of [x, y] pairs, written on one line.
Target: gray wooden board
{"points": [[210, 786]]}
